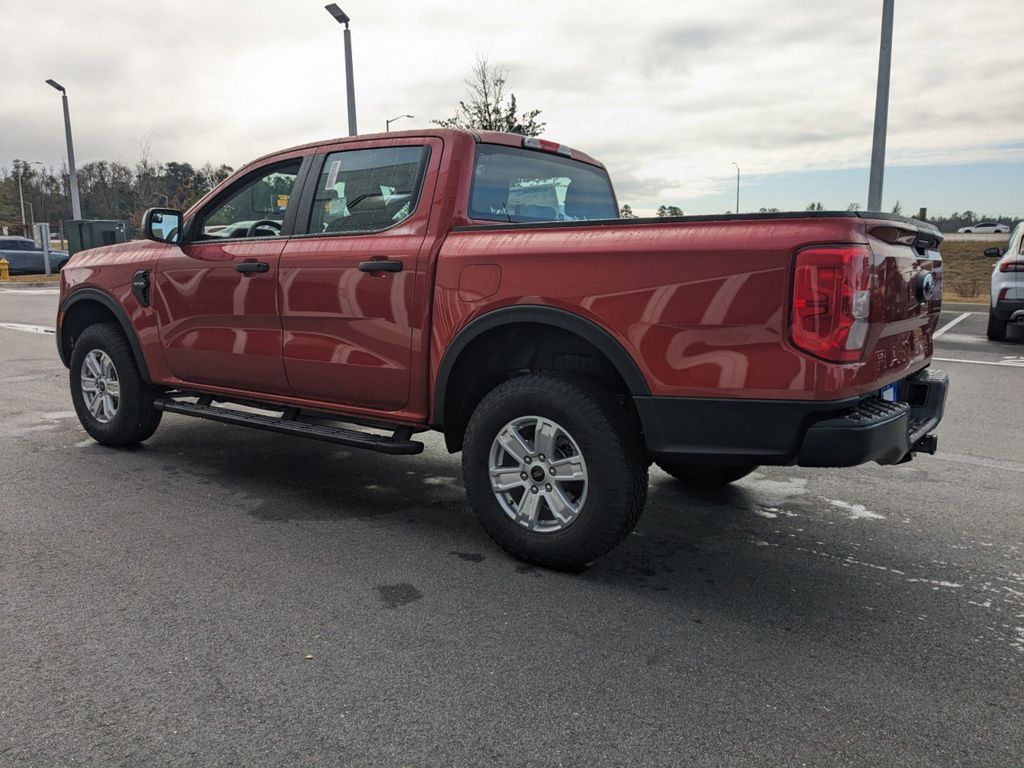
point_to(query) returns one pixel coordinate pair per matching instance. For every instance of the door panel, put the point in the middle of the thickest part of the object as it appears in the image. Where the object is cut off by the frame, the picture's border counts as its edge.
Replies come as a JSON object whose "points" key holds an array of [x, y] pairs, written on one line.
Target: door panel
{"points": [[218, 325], [348, 333]]}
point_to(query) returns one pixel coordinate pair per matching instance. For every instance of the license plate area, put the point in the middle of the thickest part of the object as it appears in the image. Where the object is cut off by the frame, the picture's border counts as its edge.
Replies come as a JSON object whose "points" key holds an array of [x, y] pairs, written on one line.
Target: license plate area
{"points": [[889, 393]]}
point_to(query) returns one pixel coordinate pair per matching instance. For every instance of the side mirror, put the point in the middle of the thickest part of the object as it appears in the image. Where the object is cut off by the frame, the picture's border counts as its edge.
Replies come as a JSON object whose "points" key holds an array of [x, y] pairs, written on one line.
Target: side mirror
{"points": [[162, 225], [993, 253]]}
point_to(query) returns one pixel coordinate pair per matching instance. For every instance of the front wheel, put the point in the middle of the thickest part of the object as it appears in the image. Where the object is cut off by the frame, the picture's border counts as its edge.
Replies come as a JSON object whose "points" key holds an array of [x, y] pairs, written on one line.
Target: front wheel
{"points": [[555, 469], [112, 401], [704, 474], [996, 328]]}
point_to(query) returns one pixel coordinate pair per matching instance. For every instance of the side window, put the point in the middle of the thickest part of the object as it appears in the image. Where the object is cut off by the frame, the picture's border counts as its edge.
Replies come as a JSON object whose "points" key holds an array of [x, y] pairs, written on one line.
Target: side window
{"points": [[366, 190], [254, 208]]}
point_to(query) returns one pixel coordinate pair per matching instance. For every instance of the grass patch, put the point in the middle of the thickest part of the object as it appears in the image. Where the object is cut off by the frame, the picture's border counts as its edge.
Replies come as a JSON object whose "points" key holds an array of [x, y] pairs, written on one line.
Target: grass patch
{"points": [[966, 271]]}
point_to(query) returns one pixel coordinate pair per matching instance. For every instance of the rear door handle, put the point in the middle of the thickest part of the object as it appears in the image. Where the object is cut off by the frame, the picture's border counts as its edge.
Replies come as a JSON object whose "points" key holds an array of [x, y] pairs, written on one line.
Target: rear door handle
{"points": [[380, 265], [252, 266]]}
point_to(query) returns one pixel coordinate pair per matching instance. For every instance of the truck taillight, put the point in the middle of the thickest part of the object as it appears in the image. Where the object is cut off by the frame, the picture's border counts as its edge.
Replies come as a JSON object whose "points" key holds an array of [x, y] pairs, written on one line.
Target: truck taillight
{"points": [[831, 310], [1012, 266]]}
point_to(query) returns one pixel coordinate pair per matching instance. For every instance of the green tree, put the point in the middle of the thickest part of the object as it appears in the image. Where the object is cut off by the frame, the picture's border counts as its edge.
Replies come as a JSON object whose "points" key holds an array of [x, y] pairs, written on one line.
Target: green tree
{"points": [[768, 210], [897, 209], [669, 210], [853, 207], [489, 108], [626, 212], [815, 207]]}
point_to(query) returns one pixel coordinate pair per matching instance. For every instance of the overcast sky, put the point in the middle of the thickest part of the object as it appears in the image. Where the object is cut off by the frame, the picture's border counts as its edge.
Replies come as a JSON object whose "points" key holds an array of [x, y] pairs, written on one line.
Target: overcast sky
{"points": [[667, 94]]}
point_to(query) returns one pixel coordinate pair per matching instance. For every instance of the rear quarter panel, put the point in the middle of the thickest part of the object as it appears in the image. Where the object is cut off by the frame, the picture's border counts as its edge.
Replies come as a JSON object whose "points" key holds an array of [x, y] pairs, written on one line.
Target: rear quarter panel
{"points": [[702, 306]]}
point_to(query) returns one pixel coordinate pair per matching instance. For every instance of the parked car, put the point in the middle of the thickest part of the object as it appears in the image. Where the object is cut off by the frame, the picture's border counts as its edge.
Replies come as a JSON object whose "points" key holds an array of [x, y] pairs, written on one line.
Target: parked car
{"points": [[24, 257], [362, 290], [985, 227], [1007, 298]]}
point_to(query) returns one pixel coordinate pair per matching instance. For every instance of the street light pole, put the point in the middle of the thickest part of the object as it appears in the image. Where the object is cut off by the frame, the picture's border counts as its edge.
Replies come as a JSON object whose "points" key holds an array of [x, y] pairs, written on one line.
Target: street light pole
{"points": [[76, 208], [387, 123], [350, 88], [881, 109], [737, 188]]}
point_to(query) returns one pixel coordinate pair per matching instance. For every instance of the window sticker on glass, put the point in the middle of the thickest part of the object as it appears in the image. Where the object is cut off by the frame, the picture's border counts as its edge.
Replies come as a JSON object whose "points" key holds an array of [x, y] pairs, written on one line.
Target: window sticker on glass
{"points": [[332, 175]]}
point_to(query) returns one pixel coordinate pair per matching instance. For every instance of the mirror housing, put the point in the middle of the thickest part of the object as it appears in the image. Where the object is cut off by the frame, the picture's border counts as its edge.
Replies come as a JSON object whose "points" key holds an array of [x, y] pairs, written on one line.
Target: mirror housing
{"points": [[993, 253], [162, 225]]}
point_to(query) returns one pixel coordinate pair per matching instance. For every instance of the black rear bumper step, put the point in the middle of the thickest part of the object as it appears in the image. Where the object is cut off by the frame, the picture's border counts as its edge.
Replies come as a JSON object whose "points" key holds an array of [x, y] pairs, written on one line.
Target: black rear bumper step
{"points": [[291, 423]]}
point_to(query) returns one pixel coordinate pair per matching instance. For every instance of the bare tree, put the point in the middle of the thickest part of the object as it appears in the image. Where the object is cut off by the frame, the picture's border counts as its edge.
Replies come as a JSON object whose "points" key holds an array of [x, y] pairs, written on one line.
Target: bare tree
{"points": [[488, 108]]}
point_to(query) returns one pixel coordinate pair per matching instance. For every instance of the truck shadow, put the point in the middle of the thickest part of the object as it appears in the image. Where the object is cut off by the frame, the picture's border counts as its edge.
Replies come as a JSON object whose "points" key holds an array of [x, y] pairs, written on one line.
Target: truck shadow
{"points": [[707, 553]]}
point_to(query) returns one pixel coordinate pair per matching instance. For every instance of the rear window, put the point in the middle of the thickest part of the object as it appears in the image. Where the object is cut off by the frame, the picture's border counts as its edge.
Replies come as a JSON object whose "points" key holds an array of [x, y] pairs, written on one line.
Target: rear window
{"points": [[520, 185]]}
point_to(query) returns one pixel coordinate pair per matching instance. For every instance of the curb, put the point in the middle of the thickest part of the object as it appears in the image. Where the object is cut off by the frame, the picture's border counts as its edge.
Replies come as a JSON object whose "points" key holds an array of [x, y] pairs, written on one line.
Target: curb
{"points": [[21, 284]]}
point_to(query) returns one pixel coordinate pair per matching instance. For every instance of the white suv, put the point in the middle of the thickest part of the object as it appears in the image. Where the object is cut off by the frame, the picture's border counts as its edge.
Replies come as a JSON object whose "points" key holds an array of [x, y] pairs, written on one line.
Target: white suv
{"points": [[985, 227], [1007, 285]]}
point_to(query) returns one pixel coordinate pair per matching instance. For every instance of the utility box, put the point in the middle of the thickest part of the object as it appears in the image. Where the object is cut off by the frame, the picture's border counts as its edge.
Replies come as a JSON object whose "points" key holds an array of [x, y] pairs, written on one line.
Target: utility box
{"points": [[83, 234]]}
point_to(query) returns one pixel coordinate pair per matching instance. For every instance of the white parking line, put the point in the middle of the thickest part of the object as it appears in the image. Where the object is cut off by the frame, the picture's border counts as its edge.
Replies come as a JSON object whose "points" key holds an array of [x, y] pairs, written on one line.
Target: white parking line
{"points": [[1002, 363], [25, 328], [951, 323], [34, 291]]}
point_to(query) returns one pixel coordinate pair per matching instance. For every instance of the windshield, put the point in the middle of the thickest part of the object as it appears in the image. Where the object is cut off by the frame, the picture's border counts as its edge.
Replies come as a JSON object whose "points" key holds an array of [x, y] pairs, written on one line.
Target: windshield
{"points": [[520, 185]]}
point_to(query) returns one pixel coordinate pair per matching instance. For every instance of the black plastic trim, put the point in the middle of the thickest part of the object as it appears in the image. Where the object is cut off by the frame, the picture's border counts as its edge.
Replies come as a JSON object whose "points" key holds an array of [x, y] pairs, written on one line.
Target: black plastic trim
{"points": [[95, 294], [758, 431], [557, 318], [1003, 310]]}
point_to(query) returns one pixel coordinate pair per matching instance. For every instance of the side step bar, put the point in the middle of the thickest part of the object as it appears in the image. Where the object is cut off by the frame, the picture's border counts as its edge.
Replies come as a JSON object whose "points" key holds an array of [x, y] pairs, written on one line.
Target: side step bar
{"points": [[290, 423]]}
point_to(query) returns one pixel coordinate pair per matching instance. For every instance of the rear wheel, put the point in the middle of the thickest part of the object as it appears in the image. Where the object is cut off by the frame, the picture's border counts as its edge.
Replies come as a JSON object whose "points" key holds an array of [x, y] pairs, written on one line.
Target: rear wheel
{"points": [[112, 401], [704, 474], [996, 328], [555, 469]]}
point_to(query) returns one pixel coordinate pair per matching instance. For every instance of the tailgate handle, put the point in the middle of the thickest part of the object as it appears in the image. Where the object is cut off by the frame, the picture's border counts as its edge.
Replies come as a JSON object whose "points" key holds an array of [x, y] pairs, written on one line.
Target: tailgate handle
{"points": [[252, 266], [380, 265]]}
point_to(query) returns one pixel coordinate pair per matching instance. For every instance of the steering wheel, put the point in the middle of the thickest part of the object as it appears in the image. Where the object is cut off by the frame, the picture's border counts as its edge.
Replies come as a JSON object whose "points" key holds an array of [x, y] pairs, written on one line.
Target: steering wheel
{"points": [[269, 223]]}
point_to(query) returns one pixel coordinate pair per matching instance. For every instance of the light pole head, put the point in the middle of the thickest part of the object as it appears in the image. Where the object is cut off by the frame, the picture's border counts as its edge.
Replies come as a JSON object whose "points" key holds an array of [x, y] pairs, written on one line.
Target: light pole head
{"points": [[54, 84], [339, 15]]}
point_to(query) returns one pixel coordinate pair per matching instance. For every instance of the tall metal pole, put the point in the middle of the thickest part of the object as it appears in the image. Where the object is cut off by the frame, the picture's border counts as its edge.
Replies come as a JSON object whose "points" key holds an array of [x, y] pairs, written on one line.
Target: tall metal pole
{"points": [[76, 207], [881, 109], [737, 188], [350, 83]]}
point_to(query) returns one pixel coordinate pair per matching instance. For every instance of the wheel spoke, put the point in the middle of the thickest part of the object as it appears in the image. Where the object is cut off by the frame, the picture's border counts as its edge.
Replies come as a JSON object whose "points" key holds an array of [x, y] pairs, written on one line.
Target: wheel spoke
{"points": [[95, 405], [544, 437], [560, 506], [114, 388], [109, 408], [88, 384], [504, 479], [93, 364], [528, 509], [568, 470], [513, 443]]}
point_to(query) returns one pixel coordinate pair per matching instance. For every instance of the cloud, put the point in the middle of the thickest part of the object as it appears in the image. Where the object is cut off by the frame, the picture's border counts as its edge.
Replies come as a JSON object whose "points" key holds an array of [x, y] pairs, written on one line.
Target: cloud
{"points": [[668, 95]]}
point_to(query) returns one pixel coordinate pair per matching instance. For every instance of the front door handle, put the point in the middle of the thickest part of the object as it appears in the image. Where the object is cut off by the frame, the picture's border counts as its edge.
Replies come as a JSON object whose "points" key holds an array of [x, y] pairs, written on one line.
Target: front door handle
{"points": [[252, 266], [380, 265]]}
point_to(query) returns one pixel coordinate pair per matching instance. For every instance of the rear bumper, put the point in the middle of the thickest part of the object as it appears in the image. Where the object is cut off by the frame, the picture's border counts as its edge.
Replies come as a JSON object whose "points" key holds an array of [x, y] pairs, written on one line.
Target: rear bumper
{"points": [[839, 433], [1005, 309]]}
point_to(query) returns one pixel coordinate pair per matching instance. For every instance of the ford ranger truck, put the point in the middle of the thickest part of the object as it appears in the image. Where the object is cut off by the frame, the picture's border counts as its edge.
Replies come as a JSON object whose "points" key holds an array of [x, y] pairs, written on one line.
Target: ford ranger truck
{"points": [[360, 291]]}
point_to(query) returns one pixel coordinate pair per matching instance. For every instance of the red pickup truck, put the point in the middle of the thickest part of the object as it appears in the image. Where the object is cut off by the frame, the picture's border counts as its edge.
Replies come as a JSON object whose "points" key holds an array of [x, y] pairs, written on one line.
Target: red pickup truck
{"points": [[362, 290]]}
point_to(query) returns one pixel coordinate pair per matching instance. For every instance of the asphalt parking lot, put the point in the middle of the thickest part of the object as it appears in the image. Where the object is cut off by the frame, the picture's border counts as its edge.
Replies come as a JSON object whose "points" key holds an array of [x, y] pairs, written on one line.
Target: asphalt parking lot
{"points": [[222, 596]]}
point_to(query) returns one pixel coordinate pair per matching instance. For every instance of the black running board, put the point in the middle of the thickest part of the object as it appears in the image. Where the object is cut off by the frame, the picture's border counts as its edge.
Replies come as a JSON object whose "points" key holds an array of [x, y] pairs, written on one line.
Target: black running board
{"points": [[291, 423]]}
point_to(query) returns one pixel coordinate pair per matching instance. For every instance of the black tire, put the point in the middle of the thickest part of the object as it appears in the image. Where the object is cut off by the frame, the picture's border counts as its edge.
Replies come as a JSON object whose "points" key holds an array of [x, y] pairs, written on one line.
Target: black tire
{"points": [[704, 474], [135, 419], [996, 328], [608, 437]]}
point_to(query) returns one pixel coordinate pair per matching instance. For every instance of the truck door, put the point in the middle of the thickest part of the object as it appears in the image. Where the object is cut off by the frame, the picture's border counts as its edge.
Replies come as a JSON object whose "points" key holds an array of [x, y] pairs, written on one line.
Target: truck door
{"points": [[217, 295], [348, 276]]}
